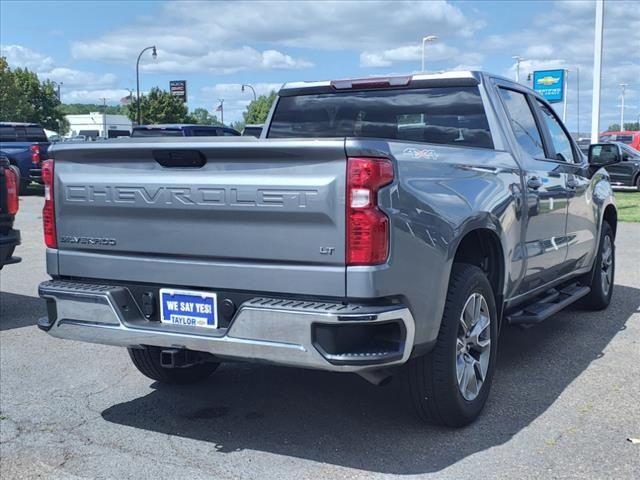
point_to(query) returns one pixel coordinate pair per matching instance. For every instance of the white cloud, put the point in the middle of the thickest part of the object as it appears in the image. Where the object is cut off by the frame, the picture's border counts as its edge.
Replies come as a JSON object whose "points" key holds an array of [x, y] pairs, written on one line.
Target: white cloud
{"points": [[434, 52], [112, 96], [43, 66], [555, 42], [19, 56], [76, 78], [212, 37], [222, 61]]}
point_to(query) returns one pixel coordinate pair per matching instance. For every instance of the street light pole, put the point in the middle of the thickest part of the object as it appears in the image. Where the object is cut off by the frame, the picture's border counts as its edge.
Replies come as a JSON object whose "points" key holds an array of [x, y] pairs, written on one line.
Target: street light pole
{"points": [[565, 88], [252, 89], [518, 59], [58, 85], [221, 107], [104, 118], [428, 38], [624, 87], [154, 55], [597, 71], [578, 101]]}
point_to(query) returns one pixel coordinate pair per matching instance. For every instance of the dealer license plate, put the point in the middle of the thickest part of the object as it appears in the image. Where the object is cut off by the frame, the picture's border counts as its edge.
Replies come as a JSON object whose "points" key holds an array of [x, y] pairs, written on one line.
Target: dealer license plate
{"points": [[188, 308]]}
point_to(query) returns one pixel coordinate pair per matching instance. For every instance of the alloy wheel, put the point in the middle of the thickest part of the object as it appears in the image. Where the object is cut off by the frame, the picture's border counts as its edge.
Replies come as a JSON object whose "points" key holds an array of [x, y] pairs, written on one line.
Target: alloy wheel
{"points": [[473, 346]]}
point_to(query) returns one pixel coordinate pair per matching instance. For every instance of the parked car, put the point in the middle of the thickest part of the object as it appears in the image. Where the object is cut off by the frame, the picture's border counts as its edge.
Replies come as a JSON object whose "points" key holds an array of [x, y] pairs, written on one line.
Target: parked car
{"points": [[9, 204], [631, 138], [252, 130], [183, 130], [627, 172], [25, 145], [388, 223]]}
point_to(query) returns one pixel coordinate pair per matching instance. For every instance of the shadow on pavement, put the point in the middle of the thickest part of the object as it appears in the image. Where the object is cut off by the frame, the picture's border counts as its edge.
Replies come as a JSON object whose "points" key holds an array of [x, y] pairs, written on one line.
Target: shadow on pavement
{"points": [[17, 311], [341, 420]]}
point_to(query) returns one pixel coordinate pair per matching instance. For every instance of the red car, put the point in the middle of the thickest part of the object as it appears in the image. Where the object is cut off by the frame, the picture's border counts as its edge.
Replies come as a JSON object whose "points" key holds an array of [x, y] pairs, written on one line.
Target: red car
{"points": [[630, 138]]}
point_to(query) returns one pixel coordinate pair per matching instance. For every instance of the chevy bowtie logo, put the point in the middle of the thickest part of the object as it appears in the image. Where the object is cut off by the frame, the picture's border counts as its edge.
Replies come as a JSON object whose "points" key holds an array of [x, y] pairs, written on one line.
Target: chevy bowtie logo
{"points": [[548, 80]]}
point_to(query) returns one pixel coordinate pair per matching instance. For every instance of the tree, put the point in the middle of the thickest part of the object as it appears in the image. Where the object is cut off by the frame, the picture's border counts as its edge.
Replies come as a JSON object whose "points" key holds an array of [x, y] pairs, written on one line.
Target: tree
{"points": [[202, 117], [258, 110], [8, 92], [239, 125], [629, 127], [159, 107], [24, 98]]}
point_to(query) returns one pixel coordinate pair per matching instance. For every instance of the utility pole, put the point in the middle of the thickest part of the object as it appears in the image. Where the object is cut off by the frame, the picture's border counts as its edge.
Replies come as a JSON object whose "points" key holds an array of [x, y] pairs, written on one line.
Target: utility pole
{"points": [[624, 87], [578, 102], [597, 71], [518, 59]]}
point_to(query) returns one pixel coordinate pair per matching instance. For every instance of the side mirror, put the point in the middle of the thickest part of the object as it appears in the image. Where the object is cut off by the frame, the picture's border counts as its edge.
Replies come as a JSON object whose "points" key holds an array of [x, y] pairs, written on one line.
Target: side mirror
{"points": [[603, 154]]}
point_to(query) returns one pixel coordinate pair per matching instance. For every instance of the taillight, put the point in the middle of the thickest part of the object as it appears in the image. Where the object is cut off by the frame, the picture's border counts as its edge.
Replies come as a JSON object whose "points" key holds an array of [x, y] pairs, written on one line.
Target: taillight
{"points": [[367, 225], [11, 182], [35, 154], [48, 211]]}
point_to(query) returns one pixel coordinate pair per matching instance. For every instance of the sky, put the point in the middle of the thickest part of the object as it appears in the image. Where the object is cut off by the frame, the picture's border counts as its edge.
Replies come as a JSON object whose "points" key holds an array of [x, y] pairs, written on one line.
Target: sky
{"points": [[91, 46]]}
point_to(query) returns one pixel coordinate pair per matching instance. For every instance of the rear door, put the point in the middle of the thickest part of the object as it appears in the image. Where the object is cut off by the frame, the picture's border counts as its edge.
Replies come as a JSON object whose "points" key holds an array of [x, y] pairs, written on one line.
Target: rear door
{"points": [[243, 215], [582, 219], [545, 246]]}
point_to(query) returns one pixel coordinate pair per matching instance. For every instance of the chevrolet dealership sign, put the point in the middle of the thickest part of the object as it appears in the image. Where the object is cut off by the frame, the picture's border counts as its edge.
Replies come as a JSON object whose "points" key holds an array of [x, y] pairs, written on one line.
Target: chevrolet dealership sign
{"points": [[549, 84]]}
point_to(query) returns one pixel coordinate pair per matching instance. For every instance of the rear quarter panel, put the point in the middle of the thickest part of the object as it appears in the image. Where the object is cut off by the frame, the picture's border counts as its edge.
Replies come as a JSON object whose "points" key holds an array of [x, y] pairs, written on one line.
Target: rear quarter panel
{"points": [[440, 193]]}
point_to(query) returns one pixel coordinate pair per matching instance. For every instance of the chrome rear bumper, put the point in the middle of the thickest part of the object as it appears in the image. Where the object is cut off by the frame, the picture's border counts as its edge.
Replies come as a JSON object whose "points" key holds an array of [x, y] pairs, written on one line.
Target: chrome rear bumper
{"points": [[283, 332]]}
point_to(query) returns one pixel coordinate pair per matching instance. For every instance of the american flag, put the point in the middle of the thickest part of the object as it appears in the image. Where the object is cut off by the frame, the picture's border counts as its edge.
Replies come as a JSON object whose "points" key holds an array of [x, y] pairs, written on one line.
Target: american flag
{"points": [[126, 100], [219, 108]]}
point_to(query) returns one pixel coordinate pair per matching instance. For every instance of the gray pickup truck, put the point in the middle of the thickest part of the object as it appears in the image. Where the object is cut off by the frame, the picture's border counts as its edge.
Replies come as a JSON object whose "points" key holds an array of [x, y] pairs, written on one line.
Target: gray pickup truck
{"points": [[377, 226]]}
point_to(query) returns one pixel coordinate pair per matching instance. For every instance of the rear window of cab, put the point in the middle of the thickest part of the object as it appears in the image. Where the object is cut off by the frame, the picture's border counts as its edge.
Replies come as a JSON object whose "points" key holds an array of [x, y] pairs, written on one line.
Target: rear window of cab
{"points": [[447, 115]]}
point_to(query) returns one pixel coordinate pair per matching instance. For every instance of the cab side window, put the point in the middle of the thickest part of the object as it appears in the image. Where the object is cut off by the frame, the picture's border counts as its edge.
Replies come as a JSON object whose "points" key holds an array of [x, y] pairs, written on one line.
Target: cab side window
{"points": [[559, 138], [523, 122]]}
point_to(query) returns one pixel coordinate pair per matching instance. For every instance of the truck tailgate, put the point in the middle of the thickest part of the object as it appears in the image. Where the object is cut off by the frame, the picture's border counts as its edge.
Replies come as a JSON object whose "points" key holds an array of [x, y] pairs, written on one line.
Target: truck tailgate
{"points": [[260, 216]]}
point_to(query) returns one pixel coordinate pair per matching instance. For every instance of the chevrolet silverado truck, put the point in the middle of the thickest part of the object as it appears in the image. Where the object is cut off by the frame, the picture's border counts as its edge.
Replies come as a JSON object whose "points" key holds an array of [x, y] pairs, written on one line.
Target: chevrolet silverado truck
{"points": [[9, 204], [380, 226]]}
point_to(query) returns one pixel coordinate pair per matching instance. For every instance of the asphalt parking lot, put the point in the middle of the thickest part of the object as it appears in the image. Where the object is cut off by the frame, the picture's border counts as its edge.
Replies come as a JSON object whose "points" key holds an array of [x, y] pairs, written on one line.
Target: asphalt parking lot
{"points": [[565, 399]]}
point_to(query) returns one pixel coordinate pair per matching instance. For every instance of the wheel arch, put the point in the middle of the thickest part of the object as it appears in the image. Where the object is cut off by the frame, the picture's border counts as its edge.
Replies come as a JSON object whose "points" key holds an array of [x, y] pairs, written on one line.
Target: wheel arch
{"points": [[610, 215], [482, 246]]}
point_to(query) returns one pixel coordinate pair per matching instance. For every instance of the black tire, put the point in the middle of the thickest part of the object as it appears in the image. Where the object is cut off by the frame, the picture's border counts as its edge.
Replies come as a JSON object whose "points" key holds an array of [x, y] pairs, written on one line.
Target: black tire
{"points": [[147, 361], [599, 297], [432, 378], [638, 183]]}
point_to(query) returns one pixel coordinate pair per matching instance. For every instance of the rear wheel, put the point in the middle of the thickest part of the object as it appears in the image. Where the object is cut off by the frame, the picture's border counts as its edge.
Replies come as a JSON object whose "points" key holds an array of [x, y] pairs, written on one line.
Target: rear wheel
{"points": [[602, 274], [450, 385], [147, 361], [638, 183]]}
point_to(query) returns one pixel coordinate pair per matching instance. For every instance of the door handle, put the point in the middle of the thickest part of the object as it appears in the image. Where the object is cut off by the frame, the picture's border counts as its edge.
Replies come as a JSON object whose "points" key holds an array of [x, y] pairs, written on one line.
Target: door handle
{"points": [[534, 183]]}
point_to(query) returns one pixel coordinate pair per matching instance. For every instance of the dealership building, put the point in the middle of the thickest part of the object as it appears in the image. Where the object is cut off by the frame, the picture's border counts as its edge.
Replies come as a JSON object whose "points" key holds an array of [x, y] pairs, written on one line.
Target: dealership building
{"points": [[96, 124]]}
